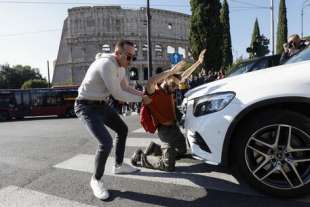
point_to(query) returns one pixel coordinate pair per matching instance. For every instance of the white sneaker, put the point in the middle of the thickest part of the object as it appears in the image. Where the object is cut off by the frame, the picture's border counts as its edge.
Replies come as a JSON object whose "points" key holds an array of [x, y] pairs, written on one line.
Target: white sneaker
{"points": [[98, 189], [124, 169]]}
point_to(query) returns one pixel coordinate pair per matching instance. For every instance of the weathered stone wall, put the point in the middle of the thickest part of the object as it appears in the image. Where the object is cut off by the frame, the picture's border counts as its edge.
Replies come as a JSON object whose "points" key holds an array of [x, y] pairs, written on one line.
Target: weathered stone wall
{"points": [[87, 29]]}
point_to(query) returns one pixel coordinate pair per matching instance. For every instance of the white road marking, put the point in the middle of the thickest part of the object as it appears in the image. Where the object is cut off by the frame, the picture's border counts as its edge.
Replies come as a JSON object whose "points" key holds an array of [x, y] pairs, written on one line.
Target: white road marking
{"points": [[85, 162], [207, 180], [13, 196], [139, 130], [141, 142]]}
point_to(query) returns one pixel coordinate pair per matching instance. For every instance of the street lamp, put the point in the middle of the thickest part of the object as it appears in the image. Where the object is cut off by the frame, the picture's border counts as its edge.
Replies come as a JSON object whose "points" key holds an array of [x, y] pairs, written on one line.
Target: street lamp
{"points": [[148, 16], [304, 5]]}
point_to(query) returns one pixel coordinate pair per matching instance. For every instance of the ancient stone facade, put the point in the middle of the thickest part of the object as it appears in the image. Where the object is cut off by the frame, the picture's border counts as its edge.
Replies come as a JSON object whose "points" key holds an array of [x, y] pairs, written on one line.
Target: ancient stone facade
{"points": [[89, 30]]}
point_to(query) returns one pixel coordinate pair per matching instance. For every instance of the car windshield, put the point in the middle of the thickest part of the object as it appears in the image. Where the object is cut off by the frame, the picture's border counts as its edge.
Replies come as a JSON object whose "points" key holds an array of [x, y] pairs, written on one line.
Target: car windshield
{"points": [[301, 56], [242, 68]]}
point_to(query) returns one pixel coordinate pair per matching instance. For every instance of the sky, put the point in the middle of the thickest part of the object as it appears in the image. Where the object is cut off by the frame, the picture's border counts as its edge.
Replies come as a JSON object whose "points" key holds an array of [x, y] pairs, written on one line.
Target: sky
{"points": [[31, 29]]}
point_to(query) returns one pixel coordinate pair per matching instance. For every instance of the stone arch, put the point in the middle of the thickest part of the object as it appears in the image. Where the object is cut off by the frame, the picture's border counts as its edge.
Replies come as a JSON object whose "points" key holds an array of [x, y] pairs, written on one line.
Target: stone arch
{"points": [[106, 48], [134, 74], [136, 49], [159, 70], [144, 51], [170, 49], [145, 73], [158, 50], [182, 51]]}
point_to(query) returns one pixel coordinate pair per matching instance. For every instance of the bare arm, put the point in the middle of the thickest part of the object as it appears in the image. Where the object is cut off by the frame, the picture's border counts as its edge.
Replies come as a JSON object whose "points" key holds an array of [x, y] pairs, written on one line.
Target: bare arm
{"points": [[151, 84], [191, 69]]}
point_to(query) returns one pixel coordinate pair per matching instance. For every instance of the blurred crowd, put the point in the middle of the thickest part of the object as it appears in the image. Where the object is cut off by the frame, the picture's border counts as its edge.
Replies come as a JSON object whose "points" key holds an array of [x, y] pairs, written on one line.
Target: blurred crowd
{"points": [[196, 80], [204, 77]]}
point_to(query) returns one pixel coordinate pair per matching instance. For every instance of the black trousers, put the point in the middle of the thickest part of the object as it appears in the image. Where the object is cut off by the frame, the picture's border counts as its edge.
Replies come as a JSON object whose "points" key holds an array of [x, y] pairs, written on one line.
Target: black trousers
{"points": [[95, 117]]}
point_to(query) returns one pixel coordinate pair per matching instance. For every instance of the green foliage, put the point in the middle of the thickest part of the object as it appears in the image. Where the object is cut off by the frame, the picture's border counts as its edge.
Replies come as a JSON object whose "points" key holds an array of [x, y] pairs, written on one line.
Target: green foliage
{"points": [[227, 52], [282, 27], [256, 31], [205, 32], [35, 84], [259, 43], [14, 77]]}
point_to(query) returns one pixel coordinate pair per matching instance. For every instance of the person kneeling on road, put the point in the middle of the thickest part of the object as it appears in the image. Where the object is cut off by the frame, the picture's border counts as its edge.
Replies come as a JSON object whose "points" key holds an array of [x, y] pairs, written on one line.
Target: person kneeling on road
{"points": [[160, 89]]}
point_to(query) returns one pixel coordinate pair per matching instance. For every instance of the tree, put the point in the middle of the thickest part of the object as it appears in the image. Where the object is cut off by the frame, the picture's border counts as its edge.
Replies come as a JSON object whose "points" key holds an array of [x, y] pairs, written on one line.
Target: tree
{"points": [[227, 52], [14, 77], [256, 31], [282, 27], [205, 32], [35, 84], [259, 43]]}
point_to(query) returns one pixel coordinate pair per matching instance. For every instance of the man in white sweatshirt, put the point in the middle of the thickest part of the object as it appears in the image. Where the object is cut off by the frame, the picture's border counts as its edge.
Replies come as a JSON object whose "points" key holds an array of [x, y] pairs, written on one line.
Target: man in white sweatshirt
{"points": [[106, 76]]}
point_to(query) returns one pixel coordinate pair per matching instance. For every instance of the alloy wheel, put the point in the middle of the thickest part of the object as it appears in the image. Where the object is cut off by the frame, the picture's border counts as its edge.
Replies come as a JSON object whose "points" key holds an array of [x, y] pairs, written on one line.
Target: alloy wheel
{"points": [[279, 156]]}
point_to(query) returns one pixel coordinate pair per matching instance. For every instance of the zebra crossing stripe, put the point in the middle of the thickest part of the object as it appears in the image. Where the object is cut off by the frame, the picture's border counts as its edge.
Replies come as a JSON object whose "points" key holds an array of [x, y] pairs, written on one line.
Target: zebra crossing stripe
{"points": [[207, 180], [85, 162], [13, 196], [140, 142], [139, 130]]}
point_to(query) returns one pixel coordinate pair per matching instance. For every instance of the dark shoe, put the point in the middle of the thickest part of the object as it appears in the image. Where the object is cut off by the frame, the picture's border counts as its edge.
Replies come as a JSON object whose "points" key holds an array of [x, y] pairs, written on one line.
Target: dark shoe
{"points": [[153, 149], [136, 158]]}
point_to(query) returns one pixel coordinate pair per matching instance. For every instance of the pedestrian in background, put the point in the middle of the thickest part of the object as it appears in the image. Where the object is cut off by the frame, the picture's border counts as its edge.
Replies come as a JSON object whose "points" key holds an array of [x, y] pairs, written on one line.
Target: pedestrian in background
{"points": [[106, 76], [293, 46]]}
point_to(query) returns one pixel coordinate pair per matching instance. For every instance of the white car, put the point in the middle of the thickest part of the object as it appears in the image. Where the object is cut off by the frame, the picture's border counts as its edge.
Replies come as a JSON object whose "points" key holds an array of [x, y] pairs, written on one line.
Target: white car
{"points": [[258, 124]]}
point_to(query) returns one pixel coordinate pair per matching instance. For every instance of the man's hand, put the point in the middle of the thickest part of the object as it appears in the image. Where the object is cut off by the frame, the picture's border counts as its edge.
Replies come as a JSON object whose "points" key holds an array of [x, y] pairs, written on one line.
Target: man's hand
{"points": [[146, 99], [202, 55]]}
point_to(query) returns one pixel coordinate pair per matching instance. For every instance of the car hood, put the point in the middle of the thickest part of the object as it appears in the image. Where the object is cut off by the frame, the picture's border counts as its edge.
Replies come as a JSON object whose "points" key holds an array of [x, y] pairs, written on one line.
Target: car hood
{"points": [[275, 76]]}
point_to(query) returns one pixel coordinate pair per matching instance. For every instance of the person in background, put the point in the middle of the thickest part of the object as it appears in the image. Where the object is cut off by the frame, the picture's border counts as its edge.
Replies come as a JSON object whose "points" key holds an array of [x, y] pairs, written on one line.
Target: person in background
{"points": [[294, 45]]}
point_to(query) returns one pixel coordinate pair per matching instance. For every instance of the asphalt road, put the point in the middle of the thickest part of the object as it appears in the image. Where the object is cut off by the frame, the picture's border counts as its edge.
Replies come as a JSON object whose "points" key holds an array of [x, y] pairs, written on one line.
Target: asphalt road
{"points": [[48, 162]]}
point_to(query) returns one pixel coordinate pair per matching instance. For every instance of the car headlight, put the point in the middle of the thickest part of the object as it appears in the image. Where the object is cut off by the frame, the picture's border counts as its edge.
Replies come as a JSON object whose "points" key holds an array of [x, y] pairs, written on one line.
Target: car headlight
{"points": [[212, 103]]}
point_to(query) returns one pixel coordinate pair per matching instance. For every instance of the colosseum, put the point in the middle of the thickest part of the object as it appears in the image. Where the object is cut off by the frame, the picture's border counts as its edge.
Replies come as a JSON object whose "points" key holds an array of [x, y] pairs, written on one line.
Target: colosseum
{"points": [[89, 30]]}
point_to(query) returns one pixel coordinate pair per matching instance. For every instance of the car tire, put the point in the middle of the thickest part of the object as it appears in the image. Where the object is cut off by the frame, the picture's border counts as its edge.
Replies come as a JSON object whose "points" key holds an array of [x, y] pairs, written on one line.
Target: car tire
{"points": [[70, 113], [263, 161]]}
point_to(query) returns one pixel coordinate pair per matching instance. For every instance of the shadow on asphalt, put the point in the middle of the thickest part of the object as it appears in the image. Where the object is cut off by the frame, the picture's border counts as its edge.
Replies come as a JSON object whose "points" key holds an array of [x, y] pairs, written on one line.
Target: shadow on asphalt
{"points": [[203, 175], [212, 198]]}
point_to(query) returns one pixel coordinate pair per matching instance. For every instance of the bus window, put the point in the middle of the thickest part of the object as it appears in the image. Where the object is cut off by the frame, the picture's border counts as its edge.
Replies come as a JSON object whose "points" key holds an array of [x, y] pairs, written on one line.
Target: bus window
{"points": [[26, 98], [53, 99], [5, 99], [18, 98], [37, 99]]}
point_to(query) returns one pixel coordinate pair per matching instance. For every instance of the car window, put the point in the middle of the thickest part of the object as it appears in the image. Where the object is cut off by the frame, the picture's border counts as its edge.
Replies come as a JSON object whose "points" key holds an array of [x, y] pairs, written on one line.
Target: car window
{"points": [[301, 56], [263, 63], [242, 68]]}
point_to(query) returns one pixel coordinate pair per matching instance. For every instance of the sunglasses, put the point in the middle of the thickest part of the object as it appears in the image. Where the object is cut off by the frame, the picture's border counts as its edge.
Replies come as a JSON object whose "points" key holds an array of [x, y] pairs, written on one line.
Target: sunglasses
{"points": [[131, 58], [291, 44]]}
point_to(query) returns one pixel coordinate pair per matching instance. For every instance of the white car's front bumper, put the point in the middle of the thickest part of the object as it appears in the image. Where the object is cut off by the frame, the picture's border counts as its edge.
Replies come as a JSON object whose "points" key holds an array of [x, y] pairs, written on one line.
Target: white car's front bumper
{"points": [[206, 134]]}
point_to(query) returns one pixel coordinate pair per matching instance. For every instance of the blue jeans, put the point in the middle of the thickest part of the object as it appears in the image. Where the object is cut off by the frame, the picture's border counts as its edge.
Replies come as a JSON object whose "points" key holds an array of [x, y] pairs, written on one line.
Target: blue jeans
{"points": [[95, 117]]}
